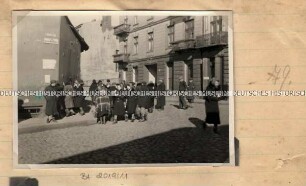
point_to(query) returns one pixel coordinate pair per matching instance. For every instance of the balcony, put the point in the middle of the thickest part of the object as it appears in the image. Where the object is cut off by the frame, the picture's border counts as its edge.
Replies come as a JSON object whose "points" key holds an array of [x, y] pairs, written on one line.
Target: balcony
{"points": [[122, 29], [183, 44], [121, 58], [212, 39]]}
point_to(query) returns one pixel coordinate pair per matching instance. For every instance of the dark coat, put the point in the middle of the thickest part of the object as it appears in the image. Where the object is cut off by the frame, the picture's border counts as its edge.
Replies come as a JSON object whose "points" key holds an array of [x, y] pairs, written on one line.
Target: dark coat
{"points": [[119, 108], [93, 87], [143, 101], [212, 106], [182, 86], [51, 102], [79, 100], [111, 98], [190, 87], [161, 100], [151, 87], [131, 104]]}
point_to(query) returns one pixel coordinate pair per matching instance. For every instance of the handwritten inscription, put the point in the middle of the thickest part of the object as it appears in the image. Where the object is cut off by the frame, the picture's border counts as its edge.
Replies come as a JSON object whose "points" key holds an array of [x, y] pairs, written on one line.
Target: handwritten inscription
{"points": [[280, 75], [105, 175]]}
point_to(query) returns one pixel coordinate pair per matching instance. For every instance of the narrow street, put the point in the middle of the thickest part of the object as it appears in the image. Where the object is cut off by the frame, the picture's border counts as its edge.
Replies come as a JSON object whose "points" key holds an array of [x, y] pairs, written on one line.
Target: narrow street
{"points": [[169, 136]]}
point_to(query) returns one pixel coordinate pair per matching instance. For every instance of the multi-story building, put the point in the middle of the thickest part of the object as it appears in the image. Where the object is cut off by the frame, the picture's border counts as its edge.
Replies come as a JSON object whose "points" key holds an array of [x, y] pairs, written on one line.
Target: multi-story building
{"points": [[97, 61], [169, 47]]}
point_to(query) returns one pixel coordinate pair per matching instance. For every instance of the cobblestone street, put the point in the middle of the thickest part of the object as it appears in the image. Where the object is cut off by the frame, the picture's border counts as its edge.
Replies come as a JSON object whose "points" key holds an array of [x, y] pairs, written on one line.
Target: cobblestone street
{"points": [[169, 136]]}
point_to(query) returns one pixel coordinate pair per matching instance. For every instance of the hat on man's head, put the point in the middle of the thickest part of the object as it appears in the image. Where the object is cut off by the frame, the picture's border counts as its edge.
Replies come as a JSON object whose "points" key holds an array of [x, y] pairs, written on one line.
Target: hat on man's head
{"points": [[53, 81]]}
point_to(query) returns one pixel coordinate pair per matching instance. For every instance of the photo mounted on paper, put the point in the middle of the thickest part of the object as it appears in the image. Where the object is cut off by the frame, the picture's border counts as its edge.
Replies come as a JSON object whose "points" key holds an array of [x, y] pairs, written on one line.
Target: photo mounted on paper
{"points": [[160, 64]]}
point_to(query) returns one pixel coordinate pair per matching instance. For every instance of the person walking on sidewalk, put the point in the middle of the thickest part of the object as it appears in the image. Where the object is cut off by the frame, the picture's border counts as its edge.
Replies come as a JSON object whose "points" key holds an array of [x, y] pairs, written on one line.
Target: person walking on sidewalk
{"points": [[211, 105], [51, 102], [182, 87]]}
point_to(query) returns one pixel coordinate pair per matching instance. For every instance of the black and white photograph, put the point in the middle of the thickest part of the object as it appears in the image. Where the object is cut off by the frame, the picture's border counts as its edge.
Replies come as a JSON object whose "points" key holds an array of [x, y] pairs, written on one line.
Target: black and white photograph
{"points": [[145, 79]]}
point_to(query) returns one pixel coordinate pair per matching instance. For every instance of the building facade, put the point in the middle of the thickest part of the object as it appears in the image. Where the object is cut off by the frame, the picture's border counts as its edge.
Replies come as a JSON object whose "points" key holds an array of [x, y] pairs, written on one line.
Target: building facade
{"points": [[48, 47], [169, 47], [97, 62]]}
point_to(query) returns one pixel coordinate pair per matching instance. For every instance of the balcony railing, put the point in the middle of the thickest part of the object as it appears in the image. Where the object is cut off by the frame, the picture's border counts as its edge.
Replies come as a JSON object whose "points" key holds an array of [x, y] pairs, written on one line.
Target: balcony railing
{"points": [[183, 44], [122, 29], [121, 58], [212, 39]]}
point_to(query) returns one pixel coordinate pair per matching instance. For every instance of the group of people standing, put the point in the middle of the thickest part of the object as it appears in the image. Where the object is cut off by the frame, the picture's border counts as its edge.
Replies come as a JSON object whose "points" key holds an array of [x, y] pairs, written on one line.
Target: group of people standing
{"points": [[113, 108], [61, 106]]}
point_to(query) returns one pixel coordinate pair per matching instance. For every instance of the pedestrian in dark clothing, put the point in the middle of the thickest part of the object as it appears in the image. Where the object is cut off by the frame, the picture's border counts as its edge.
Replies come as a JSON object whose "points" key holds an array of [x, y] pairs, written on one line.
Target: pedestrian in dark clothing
{"points": [[102, 105], [69, 104], [161, 100], [190, 89], [111, 89], [92, 89], [119, 107], [143, 102], [137, 112], [79, 100], [51, 102], [211, 105], [151, 87], [131, 104], [182, 87], [60, 100]]}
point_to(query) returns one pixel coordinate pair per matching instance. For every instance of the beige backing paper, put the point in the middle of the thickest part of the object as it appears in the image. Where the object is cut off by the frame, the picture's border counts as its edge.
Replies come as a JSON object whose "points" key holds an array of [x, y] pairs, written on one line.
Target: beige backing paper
{"points": [[271, 130]]}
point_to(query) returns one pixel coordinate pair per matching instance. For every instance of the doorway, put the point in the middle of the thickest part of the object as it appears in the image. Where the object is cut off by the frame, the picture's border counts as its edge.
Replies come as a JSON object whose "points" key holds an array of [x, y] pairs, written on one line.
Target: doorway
{"points": [[152, 72]]}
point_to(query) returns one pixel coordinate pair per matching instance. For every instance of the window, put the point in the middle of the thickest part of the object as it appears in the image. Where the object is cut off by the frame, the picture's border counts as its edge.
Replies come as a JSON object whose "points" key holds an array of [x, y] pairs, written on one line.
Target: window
{"points": [[125, 47], [216, 24], [135, 20], [117, 67], [205, 24], [135, 74], [170, 34], [136, 45], [189, 29], [150, 41], [126, 20]]}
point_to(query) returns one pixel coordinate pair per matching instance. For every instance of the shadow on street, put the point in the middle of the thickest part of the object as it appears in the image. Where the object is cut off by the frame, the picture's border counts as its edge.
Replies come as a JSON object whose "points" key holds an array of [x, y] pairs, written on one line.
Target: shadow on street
{"points": [[183, 145]]}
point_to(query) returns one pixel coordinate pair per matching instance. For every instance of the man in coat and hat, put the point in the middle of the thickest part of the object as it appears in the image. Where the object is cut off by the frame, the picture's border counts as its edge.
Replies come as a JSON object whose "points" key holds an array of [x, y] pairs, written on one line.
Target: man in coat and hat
{"points": [[51, 101]]}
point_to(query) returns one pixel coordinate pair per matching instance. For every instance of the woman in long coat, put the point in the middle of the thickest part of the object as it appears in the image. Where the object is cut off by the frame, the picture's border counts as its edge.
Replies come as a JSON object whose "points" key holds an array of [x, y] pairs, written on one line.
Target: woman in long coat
{"points": [[131, 104], [211, 105], [119, 108], [79, 99], [92, 89], [69, 99], [51, 102], [143, 102], [161, 100], [151, 87]]}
